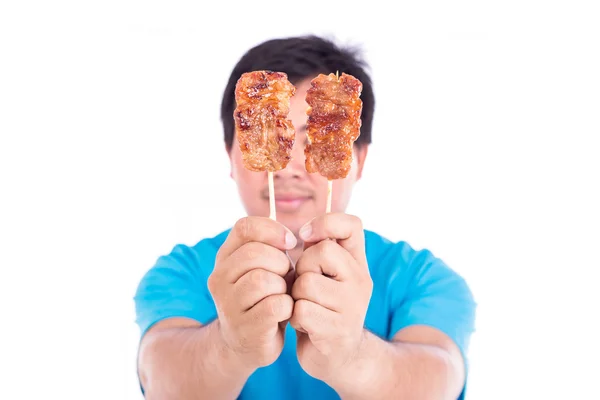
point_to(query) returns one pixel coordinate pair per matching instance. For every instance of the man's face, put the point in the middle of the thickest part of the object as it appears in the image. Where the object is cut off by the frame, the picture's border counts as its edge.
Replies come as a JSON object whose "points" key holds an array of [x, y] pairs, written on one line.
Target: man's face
{"points": [[300, 196]]}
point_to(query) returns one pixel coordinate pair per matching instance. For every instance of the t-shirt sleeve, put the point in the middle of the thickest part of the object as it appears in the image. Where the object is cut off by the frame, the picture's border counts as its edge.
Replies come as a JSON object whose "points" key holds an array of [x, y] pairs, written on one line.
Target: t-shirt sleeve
{"points": [[176, 286], [438, 297]]}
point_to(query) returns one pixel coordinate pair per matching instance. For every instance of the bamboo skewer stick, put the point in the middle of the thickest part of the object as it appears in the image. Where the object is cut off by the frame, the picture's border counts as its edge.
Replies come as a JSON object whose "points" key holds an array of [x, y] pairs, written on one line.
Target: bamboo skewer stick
{"points": [[329, 195], [330, 182], [273, 212]]}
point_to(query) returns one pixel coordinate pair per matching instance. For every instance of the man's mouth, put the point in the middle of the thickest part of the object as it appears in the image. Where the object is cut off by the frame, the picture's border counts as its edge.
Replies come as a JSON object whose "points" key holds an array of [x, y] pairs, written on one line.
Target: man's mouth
{"points": [[290, 202]]}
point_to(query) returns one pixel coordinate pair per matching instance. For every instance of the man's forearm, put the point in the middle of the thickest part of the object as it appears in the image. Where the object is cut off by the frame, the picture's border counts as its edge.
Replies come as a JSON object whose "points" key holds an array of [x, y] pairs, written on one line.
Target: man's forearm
{"points": [[394, 370], [190, 363]]}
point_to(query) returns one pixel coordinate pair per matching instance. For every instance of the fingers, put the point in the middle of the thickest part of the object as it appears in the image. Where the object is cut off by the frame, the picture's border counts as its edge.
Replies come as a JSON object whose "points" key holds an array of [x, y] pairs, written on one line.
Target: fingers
{"points": [[311, 318], [257, 229], [256, 285], [319, 289], [344, 228], [255, 255], [271, 310], [329, 258]]}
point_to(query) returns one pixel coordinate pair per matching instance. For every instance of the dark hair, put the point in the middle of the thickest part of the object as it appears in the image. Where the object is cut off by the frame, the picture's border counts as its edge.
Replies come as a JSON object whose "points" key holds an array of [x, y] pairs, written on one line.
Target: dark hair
{"points": [[301, 58]]}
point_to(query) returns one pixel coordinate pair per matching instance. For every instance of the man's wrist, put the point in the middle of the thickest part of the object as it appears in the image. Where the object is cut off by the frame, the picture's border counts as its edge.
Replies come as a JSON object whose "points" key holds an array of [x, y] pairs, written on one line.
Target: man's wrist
{"points": [[230, 364], [362, 369]]}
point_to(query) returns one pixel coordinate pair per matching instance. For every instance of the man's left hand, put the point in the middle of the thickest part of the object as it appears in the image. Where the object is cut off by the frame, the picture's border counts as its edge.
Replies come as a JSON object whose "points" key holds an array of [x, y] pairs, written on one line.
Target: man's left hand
{"points": [[332, 293]]}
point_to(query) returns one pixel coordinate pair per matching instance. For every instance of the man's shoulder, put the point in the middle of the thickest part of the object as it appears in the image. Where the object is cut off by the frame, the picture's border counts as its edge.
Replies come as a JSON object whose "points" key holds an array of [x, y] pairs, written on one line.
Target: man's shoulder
{"points": [[413, 286], [176, 285], [400, 261], [211, 244], [202, 252], [382, 250], [183, 265]]}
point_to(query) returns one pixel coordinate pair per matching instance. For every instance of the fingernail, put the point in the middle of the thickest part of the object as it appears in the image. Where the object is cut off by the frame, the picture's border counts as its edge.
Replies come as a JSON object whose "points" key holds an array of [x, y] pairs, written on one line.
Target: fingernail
{"points": [[290, 240], [305, 232]]}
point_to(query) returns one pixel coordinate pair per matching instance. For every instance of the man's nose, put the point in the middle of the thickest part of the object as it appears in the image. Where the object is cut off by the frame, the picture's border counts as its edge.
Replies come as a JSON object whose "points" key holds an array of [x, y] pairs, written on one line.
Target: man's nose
{"points": [[295, 168]]}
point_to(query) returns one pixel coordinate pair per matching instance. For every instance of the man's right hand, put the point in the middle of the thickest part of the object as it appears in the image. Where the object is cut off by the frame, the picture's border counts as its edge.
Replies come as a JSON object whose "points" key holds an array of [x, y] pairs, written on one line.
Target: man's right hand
{"points": [[249, 289]]}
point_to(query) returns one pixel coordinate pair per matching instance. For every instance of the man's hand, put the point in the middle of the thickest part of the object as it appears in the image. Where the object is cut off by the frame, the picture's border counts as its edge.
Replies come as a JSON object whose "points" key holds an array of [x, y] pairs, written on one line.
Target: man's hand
{"points": [[250, 292], [332, 293]]}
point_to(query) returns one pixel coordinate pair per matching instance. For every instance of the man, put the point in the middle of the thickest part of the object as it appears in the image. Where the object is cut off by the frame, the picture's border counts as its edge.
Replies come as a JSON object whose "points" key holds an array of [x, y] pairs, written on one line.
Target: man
{"points": [[359, 317]]}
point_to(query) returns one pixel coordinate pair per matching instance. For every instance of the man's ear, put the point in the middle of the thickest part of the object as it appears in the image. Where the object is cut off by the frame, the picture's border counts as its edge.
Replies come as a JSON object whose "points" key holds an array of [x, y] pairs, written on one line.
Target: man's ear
{"points": [[360, 151]]}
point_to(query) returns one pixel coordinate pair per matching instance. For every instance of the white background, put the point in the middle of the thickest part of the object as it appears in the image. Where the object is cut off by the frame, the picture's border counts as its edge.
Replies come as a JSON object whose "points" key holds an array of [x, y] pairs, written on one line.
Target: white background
{"points": [[485, 151]]}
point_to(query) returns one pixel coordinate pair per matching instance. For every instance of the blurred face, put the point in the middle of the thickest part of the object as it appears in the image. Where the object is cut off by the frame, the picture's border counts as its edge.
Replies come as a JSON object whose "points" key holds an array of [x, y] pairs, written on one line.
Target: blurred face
{"points": [[300, 196]]}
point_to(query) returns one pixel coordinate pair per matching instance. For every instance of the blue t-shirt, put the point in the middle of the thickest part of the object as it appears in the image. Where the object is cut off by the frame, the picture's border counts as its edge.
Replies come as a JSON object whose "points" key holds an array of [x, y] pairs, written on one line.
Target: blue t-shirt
{"points": [[409, 287]]}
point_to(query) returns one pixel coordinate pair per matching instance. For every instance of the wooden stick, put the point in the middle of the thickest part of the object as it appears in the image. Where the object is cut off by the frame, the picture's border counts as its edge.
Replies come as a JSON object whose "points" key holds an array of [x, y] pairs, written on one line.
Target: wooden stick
{"points": [[329, 195], [272, 213], [330, 182]]}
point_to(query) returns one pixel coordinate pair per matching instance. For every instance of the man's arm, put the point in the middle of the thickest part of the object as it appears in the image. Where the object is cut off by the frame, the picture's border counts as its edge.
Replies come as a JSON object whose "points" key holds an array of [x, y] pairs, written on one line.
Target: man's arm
{"points": [[181, 359], [420, 363], [332, 294]]}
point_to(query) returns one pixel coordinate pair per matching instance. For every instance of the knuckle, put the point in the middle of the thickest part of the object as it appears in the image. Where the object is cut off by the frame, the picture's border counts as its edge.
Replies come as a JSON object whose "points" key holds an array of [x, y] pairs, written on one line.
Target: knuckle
{"points": [[215, 284], [309, 282], [219, 255], [306, 261], [329, 246], [326, 226], [246, 284], [263, 280], [264, 256], [273, 306], [320, 286], [300, 264], [243, 228], [280, 306], [300, 286], [222, 255], [326, 248], [369, 283], [252, 250], [319, 256], [301, 309], [302, 282], [356, 221], [282, 260], [255, 277], [314, 315], [288, 305], [211, 283]]}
